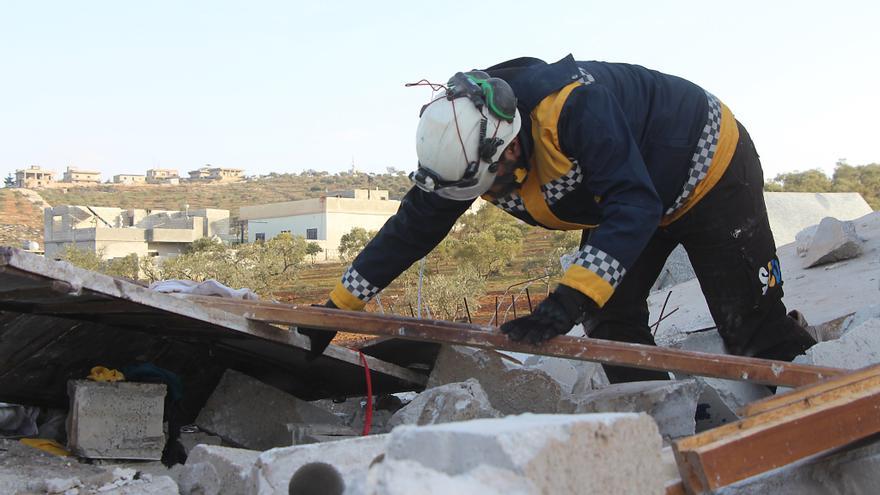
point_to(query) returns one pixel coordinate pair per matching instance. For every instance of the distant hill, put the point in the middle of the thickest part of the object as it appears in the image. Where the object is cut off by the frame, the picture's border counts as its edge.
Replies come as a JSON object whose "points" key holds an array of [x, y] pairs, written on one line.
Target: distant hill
{"points": [[258, 190]]}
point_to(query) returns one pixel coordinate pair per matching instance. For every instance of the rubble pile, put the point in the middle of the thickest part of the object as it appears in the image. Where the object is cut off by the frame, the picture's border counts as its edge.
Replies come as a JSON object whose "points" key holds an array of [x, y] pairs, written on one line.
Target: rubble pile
{"points": [[486, 422]]}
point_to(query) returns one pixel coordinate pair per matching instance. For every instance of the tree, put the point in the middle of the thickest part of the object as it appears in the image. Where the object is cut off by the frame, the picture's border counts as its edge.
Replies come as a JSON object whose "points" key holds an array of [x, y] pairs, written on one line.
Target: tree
{"points": [[808, 181], [487, 240], [353, 242], [313, 250], [125, 267], [9, 181]]}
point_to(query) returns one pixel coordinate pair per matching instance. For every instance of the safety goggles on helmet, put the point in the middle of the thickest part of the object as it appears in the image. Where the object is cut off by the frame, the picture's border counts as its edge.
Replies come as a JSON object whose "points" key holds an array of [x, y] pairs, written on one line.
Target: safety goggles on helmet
{"points": [[464, 168]]}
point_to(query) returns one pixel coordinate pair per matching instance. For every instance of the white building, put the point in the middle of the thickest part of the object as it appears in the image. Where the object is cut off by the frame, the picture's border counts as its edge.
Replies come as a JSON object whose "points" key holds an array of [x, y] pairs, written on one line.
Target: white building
{"points": [[116, 233], [81, 176], [34, 176], [321, 220], [129, 179]]}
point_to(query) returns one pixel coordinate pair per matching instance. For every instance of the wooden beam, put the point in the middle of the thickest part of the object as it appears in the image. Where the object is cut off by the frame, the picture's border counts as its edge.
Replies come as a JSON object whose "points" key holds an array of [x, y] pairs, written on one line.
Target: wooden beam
{"points": [[584, 349], [805, 393], [675, 488], [769, 440]]}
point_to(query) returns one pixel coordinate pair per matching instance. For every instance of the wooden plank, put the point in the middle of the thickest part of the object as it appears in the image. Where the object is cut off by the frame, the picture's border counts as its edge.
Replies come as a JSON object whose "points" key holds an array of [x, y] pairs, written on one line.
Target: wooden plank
{"points": [[806, 392], [584, 349], [769, 440], [675, 488]]}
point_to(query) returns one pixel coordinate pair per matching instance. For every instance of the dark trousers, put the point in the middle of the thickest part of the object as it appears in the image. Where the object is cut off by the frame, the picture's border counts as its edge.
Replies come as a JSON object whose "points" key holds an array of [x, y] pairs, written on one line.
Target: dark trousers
{"points": [[728, 240]]}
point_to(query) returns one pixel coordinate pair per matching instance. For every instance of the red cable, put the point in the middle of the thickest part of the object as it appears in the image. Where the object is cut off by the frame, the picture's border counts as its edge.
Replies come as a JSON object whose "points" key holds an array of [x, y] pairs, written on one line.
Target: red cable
{"points": [[368, 417]]}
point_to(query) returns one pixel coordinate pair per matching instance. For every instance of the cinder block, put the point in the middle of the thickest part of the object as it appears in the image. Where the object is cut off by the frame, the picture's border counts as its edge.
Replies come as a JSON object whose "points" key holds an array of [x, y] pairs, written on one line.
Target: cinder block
{"points": [[352, 457], [121, 420], [248, 413], [214, 470], [584, 454]]}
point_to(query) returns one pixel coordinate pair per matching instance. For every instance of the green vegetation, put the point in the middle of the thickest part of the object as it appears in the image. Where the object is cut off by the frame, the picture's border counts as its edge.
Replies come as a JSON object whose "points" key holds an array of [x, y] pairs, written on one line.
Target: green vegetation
{"points": [[863, 179]]}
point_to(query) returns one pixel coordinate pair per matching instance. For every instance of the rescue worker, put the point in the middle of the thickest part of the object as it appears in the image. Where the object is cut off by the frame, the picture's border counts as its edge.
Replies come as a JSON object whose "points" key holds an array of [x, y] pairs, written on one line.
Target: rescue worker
{"points": [[640, 161]]}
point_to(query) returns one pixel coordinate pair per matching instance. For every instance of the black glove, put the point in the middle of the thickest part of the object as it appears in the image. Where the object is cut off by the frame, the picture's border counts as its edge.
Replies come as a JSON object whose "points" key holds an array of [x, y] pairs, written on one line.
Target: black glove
{"points": [[318, 338], [564, 308]]}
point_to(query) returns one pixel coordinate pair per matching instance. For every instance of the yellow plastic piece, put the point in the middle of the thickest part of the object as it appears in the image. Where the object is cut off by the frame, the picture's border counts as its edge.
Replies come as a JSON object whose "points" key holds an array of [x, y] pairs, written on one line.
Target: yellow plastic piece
{"points": [[102, 374]]}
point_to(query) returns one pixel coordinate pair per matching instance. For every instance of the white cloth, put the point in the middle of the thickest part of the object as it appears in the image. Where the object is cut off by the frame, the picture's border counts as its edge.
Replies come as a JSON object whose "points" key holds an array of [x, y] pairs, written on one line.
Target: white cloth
{"points": [[207, 288]]}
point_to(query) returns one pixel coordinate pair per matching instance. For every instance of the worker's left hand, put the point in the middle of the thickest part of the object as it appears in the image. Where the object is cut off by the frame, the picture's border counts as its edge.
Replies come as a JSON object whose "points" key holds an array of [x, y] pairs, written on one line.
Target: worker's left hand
{"points": [[564, 308]]}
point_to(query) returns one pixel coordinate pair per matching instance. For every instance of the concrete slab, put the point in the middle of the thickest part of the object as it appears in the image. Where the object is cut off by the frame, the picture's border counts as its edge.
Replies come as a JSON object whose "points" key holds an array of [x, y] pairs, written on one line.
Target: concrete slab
{"points": [[248, 413], [121, 420], [274, 468], [587, 454]]}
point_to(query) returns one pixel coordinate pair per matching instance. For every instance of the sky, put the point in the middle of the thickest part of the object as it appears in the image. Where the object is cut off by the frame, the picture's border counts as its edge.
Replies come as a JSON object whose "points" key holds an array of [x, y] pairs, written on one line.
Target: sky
{"points": [[281, 86]]}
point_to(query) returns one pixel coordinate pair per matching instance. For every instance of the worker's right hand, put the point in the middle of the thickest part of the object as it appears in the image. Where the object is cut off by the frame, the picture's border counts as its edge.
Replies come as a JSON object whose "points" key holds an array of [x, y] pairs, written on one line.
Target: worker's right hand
{"points": [[319, 339]]}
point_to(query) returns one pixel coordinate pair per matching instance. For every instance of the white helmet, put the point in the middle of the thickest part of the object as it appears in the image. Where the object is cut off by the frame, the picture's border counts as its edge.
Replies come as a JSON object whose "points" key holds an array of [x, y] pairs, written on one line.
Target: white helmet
{"points": [[462, 134]]}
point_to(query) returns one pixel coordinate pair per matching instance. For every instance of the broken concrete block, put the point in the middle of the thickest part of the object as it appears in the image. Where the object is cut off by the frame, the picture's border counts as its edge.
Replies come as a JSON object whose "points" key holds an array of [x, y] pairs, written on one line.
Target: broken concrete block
{"points": [[274, 468], [302, 433], [405, 477], [832, 240], [858, 347], [720, 400], [511, 388], [190, 439], [121, 420], [214, 470], [248, 413], [585, 454], [446, 403], [852, 471], [672, 404]]}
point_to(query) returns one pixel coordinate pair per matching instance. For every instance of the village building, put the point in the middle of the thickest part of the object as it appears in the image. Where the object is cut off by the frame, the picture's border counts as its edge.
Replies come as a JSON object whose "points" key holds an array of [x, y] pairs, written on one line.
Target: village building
{"points": [[216, 174], [80, 176], [162, 176], [321, 220], [117, 232], [34, 176], [129, 179]]}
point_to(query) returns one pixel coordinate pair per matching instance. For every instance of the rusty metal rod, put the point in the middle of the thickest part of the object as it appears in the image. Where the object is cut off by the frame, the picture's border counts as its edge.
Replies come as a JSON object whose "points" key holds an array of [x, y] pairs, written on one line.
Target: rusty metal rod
{"points": [[756, 370]]}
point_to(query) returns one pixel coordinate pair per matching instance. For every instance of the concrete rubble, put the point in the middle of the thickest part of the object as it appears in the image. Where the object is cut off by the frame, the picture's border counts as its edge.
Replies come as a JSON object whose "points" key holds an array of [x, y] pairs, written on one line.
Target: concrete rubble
{"points": [[830, 241], [857, 348], [248, 413], [211, 469], [672, 404], [25, 470], [445, 404], [596, 453], [511, 388]]}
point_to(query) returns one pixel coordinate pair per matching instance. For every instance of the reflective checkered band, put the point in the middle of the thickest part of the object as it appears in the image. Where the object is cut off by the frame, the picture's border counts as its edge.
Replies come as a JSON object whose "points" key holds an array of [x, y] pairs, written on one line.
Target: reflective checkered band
{"points": [[358, 285], [702, 159], [586, 77], [556, 189], [601, 263], [511, 203]]}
